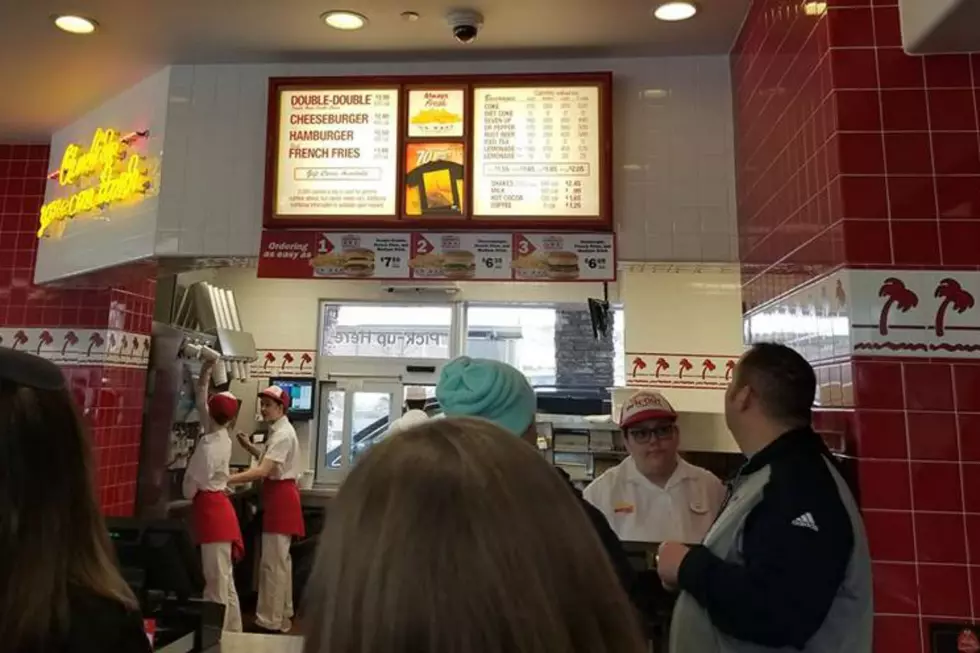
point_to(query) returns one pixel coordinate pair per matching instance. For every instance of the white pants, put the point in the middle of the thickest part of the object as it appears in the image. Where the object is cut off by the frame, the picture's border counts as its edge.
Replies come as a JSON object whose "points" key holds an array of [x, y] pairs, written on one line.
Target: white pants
{"points": [[219, 579], [275, 609]]}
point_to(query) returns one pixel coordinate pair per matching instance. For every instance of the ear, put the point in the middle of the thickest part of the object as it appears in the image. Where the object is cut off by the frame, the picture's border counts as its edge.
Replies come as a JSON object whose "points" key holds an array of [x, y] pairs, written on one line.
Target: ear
{"points": [[742, 398]]}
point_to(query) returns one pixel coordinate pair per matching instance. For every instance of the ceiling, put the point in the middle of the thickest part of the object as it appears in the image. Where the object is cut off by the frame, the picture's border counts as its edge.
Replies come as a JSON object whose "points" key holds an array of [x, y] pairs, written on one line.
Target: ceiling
{"points": [[48, 78]]}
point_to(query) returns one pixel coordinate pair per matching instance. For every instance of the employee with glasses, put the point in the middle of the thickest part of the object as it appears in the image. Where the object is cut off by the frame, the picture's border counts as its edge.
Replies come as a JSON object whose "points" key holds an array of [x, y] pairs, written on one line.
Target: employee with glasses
{"points": [[655, 495]]}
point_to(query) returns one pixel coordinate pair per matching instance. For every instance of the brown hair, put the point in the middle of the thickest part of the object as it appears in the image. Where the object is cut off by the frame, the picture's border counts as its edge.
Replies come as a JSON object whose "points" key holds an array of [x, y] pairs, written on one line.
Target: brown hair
{"points": [[457, 537], [52, 536]]}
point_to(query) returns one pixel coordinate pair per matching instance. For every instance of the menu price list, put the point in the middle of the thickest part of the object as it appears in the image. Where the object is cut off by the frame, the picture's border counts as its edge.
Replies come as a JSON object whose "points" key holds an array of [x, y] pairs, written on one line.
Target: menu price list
{"points": [[430, 256], [338, 153], [564, 257], [537, 152], [462, 256]]}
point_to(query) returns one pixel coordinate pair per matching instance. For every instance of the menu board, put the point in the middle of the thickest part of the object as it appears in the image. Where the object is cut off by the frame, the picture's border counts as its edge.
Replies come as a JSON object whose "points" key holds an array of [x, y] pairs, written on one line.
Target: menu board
{"points": [[461, 257], [435, 113], [450, 256], [449, 153], [563, 257], [536, 152], [337, 153], [434, 179]]}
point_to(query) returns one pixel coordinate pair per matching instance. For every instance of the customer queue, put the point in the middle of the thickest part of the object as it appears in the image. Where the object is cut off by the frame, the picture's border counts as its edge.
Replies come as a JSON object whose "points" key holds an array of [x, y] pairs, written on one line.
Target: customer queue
{"points": [[454, 535]]}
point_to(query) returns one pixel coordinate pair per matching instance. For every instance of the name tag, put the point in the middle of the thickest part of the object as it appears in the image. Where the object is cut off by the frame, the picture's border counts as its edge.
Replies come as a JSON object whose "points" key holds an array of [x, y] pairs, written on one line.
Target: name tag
{"points": [[624, 509]]}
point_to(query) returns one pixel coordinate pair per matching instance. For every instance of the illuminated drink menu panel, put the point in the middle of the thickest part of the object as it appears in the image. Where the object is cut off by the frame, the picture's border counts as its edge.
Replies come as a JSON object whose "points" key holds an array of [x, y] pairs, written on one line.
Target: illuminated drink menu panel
{"points": [[338, 152], [536, 152]]}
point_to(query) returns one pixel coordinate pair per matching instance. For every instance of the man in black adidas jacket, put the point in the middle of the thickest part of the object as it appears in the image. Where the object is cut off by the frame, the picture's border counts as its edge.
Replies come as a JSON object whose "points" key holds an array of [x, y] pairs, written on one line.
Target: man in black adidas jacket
{"points": [[785, 566]]}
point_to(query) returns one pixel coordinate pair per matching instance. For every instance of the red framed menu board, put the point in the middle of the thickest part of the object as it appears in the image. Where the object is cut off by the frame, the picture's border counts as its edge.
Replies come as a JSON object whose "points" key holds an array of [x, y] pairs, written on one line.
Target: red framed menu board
{"points": [[454, 152]]}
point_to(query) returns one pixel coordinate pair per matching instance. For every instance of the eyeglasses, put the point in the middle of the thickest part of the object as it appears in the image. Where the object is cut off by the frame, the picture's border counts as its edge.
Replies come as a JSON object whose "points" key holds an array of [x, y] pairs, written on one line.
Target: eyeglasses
{"points": [[642, 436]]}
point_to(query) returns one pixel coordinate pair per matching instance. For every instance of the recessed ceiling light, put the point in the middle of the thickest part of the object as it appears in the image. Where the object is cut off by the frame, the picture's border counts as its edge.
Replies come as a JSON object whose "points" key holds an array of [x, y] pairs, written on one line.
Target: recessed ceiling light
{"points": [[75, 24], [410, 16], [344, 20], [674, 11], [815, 8]]}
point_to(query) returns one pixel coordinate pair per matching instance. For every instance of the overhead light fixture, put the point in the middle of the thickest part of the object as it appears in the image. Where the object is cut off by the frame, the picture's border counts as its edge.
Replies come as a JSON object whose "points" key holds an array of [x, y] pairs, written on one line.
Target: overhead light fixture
{"points": [[675, 11], [75, 24], [815, 8], [347, 21]]}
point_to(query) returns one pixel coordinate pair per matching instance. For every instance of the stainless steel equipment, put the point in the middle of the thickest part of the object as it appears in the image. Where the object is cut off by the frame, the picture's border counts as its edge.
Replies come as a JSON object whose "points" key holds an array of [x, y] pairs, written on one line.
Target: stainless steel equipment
{"points": [[206, 326]]}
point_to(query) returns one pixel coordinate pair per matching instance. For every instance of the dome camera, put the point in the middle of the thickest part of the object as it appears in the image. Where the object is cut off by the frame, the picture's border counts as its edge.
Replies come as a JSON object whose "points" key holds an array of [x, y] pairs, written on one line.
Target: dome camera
{"points": [[465, 24]]}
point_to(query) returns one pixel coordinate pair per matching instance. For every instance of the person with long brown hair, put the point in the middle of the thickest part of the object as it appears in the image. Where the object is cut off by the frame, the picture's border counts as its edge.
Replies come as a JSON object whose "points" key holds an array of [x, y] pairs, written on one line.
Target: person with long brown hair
{"points": [[60, 590], [453, 537]]}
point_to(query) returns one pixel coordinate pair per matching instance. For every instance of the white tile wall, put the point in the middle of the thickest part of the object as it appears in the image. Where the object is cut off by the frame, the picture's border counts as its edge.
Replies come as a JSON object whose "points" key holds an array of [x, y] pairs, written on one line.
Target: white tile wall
{"points": [[683, 331], [123, 233], [674, 189], [284, 313]]}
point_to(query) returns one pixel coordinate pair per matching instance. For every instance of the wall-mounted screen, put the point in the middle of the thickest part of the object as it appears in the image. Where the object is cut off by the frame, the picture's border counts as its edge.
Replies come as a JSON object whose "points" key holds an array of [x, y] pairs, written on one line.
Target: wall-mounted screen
{"points": [[301, 402]]}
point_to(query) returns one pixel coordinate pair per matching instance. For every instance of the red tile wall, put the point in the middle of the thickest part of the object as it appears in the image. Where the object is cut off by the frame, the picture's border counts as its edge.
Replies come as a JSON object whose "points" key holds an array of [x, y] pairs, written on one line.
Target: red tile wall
{"points": [[111, 398], [851, 153]]}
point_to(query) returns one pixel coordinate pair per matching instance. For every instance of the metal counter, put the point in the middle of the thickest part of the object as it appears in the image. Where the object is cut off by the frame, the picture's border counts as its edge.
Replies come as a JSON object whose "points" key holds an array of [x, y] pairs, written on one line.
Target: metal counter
{"points": [[249, 643]]}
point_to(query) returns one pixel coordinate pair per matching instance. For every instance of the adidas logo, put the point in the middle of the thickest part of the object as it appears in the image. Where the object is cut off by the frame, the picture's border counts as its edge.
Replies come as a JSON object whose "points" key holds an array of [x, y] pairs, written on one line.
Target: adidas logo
{"points": [[806, 521]]}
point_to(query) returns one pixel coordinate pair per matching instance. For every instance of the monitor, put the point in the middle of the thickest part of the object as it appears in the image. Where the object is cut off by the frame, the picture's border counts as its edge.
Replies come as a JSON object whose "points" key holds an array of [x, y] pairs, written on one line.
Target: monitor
{"points": [[301, 393]]}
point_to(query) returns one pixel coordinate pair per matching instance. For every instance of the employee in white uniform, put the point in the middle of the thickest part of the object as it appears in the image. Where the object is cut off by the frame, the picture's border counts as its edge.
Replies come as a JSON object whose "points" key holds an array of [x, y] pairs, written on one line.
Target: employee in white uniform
{"points": [[279, 467], [655, 495], [205, 482], [414, 412]]}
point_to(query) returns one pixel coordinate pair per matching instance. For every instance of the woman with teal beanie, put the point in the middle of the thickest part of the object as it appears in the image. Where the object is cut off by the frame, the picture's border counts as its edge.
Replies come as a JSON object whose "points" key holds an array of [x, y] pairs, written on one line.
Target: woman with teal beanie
{"points": [[499, 393]]}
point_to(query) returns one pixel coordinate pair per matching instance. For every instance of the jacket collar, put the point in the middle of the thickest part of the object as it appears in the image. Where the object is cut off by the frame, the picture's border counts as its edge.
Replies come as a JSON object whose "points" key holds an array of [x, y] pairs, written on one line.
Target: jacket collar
{"points": [[791, 443]]}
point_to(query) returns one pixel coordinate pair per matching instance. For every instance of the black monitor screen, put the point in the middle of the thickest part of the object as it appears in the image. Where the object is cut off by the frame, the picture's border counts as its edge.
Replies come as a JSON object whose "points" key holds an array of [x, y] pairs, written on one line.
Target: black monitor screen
{"points": [[300, 395]]}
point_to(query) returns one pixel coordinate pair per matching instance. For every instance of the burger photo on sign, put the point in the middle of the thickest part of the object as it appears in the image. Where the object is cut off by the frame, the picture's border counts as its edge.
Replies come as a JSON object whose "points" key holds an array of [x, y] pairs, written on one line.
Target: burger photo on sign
{"points": [[458, 265], [359, 263], [562, 266]]}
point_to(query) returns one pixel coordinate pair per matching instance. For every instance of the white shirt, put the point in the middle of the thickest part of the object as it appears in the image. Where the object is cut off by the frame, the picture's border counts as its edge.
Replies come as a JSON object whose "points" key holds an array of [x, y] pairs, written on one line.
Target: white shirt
{"points": [[641, 511], [410, 419], [282, 448], [208, 466]]}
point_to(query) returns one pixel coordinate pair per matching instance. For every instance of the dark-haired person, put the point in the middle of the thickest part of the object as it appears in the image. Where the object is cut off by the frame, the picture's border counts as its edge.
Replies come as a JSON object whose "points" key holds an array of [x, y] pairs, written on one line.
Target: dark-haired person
{"points": [[60, 590], [498, 392], [786, 564], [205, 482], [435, 546], [278, 469]]}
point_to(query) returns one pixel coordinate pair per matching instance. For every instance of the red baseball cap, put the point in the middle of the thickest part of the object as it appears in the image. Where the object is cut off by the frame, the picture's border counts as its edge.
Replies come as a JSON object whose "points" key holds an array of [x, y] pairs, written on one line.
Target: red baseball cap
{"points": [[277, 394], [223, 406], [645, 405]]}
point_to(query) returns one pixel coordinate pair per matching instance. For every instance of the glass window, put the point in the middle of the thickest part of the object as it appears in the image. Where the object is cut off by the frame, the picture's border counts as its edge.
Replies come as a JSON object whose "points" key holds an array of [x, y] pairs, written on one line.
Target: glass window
{"points": [[523, 336], [619, 347], [386, 330], [370, 420]]}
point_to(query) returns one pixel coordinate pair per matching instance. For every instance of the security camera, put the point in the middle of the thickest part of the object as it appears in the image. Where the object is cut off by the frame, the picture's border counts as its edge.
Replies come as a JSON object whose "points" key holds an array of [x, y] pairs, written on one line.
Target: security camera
{"points": [[465, 24]]}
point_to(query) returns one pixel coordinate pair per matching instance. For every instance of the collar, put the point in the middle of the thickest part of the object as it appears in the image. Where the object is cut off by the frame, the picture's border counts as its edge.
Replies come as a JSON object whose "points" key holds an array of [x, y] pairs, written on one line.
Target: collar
{"points": [[798, 441], [684, 471], [279, 423]]}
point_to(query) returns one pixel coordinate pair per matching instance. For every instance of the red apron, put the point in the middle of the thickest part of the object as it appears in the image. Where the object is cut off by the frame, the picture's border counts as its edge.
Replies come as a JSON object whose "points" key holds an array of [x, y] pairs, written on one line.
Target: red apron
{"points": [[283, 512], [215, 521]]}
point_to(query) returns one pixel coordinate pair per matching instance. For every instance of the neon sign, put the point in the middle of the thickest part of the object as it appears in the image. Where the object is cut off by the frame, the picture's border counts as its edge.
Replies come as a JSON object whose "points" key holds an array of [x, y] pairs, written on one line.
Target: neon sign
{"points": [[113, 178]]}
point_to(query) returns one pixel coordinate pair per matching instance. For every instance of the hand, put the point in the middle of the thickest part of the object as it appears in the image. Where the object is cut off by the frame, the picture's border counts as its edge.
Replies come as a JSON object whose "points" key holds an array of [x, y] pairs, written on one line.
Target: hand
{"points": [[670, 555], [244, 441]]}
